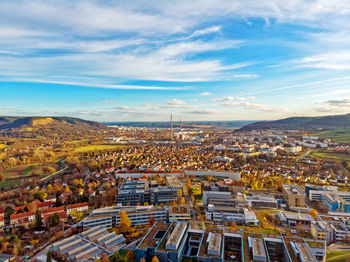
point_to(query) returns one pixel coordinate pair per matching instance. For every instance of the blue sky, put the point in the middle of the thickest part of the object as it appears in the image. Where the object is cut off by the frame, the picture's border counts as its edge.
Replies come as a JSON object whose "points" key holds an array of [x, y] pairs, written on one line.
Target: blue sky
{"points": [[200, 60]]}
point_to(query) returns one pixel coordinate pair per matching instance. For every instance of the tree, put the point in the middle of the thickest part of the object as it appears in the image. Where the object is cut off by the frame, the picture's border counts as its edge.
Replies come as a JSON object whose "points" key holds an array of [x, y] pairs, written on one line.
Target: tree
{"points": [[155, 259], [54, 220], [38, 220], [49, 257], [104, 257], [115, 257], [314, 213], [125, 222], [130, 256], [151, 220], [8, 212], [182, 201]]}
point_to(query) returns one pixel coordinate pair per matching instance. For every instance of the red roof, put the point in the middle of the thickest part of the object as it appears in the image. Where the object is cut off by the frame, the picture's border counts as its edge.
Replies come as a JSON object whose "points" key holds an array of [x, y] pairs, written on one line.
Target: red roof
{"points": [[19, 208], [1, 218], [61, 214], [52, 210], [44, 204], [22, 215], [78, 205]]}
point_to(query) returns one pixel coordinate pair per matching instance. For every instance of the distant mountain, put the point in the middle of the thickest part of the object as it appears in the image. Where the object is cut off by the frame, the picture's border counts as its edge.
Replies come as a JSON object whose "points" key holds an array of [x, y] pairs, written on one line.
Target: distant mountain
{"points": [[302, 123], [47, 126], [185, 124]]}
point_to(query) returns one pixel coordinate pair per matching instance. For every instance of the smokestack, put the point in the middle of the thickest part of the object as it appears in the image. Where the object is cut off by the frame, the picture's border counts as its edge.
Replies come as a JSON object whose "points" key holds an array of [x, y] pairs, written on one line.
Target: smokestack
{"points": [[171, 127]]}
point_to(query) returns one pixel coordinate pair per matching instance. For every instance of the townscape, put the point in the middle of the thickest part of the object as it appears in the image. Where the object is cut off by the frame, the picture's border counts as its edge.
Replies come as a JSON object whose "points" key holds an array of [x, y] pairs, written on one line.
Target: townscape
{"points": [[175, 131], [175, 194]]}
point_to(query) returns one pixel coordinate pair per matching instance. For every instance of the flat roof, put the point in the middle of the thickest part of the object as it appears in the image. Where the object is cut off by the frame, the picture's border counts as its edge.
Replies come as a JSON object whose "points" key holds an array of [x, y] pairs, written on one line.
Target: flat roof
{"points": [[305, 252], [258, 248]]}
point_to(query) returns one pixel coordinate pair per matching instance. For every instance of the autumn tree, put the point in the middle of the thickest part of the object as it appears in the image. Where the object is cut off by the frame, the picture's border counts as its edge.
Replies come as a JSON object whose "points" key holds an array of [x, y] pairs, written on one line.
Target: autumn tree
{"points": [[104, 257], [125, 222], [182, 201], [130, 256], [155, 259], [314, 213], [151, 220]]}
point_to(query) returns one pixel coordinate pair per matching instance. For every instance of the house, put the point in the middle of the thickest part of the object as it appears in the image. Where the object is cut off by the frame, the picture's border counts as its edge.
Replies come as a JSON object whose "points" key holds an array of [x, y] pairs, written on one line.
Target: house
{"points": [[22, 219], [80, 207], [60, 211]]}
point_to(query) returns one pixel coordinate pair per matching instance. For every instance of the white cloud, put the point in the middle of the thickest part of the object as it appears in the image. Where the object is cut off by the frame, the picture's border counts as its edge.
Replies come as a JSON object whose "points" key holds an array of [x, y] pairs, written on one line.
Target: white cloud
{"points": [[176, 102], [208, 30], [206, 94], [203, 112], [337, 60], [254, 106]]}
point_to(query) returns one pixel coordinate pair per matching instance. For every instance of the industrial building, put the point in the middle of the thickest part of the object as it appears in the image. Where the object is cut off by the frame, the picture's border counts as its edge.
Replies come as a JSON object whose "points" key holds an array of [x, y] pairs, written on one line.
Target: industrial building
{"points": [[89, 245]]}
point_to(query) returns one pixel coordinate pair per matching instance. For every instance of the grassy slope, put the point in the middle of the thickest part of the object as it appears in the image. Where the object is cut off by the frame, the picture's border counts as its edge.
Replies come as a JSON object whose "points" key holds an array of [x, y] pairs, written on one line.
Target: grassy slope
{"points": [[337, 256], [339, 135], [330, 155], [83, 149]]}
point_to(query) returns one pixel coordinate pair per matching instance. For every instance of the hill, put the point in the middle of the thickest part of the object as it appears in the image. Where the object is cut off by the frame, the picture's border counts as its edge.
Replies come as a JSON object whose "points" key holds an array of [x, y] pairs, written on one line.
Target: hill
{"points": [[37, 127], [302, 123]]}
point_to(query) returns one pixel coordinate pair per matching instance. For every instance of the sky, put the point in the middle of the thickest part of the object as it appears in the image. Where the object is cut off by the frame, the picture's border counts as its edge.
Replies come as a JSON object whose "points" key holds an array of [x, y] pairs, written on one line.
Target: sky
{"points": [[199, 60]]}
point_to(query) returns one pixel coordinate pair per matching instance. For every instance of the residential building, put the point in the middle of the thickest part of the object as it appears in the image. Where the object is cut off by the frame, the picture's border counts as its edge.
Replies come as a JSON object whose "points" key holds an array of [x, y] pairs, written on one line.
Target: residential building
{"points": [[79, 207], [60, 211], [2, 221], [22, 219]]}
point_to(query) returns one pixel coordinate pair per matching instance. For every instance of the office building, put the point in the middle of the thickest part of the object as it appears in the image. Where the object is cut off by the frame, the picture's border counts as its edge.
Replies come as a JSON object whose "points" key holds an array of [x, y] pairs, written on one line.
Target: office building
{"points": [[138, 215], [293, 195], [139, 192]]}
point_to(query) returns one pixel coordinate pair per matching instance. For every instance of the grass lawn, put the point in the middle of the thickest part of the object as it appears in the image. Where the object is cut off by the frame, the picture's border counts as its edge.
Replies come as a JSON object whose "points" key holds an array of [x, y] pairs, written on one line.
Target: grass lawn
{"points": [[330, 155], [337, 256], [8, 183], [83, 149], [339, 135]]}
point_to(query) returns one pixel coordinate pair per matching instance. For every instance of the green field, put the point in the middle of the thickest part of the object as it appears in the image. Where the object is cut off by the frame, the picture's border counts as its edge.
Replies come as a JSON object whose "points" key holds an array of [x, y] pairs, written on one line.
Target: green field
{"points": [[330, 155], [83, 149], [337, 256], [339, 135], [18, 175]]}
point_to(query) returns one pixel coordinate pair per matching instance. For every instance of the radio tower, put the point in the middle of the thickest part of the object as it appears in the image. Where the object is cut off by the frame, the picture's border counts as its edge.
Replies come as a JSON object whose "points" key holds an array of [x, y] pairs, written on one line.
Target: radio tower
{"points": [[171, 127]]}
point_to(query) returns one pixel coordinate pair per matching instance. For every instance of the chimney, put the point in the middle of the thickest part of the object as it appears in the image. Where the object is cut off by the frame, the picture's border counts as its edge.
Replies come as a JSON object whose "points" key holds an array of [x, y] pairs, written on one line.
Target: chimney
{"points": [[171, 127]]}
